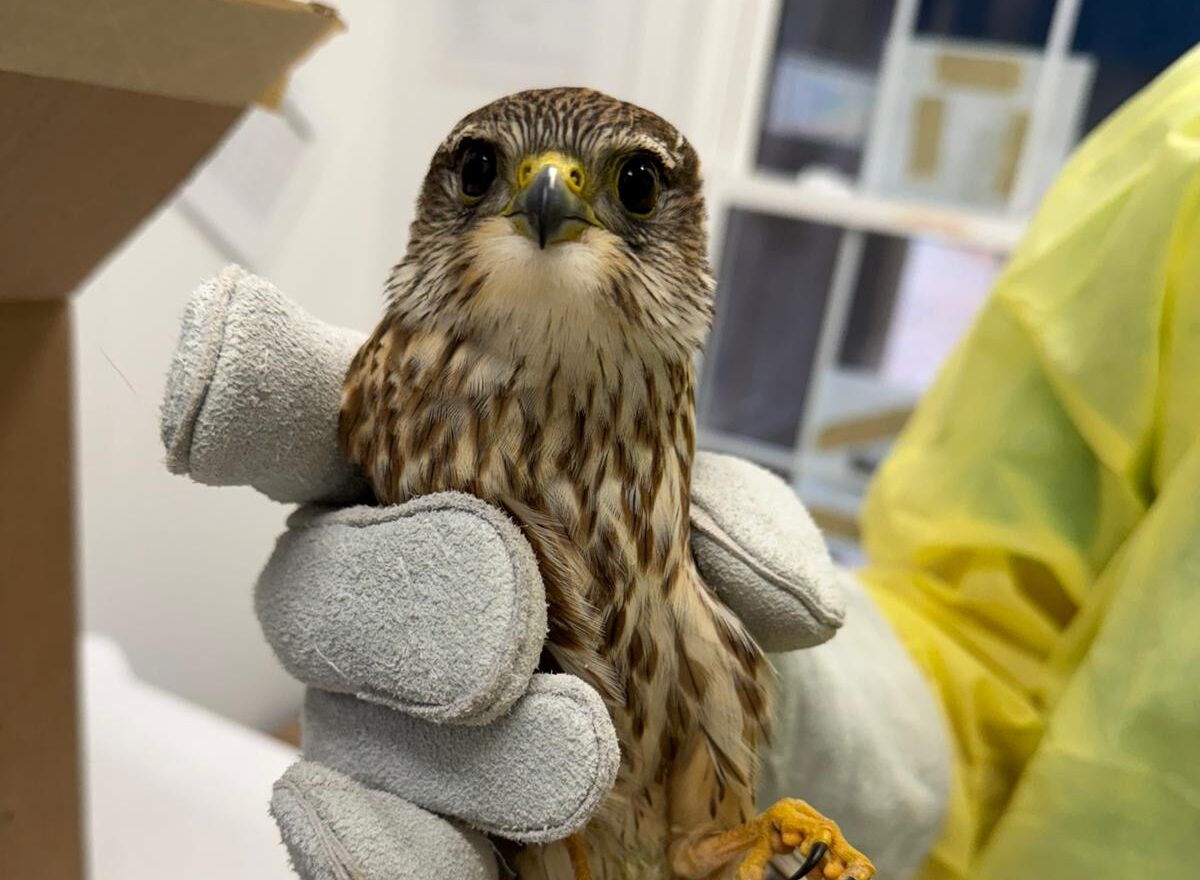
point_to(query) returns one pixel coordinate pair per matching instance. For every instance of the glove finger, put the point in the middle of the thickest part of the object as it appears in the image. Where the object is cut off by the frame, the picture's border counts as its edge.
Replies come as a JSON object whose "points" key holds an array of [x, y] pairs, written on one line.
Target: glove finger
{"points": [[434, 608], [756, 545], [535, 775], [253, 392], [335, 828]]}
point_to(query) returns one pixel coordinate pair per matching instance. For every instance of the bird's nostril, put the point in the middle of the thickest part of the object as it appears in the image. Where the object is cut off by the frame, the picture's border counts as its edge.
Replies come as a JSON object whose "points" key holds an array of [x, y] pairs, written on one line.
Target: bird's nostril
{"points": [[576, 177], [524, 173]]}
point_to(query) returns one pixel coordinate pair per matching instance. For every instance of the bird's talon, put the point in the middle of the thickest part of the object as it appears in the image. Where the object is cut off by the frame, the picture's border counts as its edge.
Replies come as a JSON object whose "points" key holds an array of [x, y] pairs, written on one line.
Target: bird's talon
{"points": [[815, 854]]}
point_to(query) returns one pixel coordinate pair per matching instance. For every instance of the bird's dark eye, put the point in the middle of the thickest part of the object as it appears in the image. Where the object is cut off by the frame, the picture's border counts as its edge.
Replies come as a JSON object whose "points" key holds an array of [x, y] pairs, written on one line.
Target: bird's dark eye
{"points": [[477, 169], [638, 183]]}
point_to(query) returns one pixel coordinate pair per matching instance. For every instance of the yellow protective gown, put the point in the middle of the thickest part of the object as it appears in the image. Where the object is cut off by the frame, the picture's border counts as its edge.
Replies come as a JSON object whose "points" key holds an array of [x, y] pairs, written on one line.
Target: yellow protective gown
{"points": [[1034, 537]]}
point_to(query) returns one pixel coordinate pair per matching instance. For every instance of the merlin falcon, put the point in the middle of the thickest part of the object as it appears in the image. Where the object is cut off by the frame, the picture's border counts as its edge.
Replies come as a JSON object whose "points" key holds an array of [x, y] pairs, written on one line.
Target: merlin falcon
{"points": [[537, 352]]}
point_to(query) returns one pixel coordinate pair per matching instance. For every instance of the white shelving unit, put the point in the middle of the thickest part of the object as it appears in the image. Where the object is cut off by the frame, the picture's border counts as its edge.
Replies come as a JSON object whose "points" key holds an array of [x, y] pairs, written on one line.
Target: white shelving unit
{"points": [[822, 196], [749, 30]]}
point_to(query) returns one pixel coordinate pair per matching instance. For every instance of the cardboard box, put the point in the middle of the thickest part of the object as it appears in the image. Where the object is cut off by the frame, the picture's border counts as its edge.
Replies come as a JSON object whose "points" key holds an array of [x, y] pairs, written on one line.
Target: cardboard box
{"points": [[104, 109]]}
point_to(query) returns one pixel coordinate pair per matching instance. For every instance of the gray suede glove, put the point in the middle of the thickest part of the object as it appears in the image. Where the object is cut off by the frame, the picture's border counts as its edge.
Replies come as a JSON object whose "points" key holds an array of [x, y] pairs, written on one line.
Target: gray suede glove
{"points": [[418, 627]]}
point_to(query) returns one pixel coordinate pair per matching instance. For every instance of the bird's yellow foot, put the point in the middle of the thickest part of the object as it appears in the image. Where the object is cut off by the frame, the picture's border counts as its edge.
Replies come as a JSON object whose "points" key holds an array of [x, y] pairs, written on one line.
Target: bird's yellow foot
{"points": [[792, 824]]}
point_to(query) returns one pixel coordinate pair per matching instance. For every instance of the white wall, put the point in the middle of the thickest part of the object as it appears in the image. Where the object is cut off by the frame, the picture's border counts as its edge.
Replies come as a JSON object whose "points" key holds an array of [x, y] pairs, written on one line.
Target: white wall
{"points": [[168, 566]]}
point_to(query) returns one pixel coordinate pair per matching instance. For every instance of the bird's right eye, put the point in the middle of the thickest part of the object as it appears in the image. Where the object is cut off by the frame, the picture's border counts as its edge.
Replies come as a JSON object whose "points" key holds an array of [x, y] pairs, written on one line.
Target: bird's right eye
{"points": [[477, 169]]}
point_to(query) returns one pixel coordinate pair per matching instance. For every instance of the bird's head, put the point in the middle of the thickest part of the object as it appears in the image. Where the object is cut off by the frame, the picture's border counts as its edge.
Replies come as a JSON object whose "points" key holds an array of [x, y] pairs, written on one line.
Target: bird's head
{"points": [[561, 218]]}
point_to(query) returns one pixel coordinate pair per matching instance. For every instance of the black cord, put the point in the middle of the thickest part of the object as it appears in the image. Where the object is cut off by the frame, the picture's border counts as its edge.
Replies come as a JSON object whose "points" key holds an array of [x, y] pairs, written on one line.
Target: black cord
{"points": [[814, 855]]}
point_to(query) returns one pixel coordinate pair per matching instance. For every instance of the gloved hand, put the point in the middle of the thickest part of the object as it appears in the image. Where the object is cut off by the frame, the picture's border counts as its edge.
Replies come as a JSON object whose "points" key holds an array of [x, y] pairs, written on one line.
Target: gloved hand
{"points": [[418, 628]]}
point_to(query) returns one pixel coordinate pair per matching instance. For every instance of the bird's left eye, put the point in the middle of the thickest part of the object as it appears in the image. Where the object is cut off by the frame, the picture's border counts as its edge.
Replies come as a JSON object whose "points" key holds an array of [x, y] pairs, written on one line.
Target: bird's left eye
{"points": [[638, 184], [477, 169]]}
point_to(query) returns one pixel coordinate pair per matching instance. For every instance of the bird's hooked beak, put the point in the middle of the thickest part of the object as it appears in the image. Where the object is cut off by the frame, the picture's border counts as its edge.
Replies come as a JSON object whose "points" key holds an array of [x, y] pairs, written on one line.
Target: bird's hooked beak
{"points": [[549, 206]]}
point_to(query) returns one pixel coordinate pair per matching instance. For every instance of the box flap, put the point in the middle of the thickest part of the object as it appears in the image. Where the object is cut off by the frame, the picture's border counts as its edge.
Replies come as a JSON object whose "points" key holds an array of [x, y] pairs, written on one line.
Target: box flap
{"points": [[227, 52], [80, 167], [105, 107]]}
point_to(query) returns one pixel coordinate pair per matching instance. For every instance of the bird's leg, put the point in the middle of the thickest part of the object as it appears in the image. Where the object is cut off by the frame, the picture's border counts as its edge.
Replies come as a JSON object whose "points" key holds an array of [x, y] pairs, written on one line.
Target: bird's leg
{"points": [[578, 854], [789, 824]]}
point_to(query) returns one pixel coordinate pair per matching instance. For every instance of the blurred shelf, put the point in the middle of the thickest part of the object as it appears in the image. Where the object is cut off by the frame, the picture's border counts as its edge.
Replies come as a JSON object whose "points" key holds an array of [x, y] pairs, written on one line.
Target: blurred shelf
{"points": [[833, 497], [769, 455], [822, 196], [859, 414], [859, 408]]}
